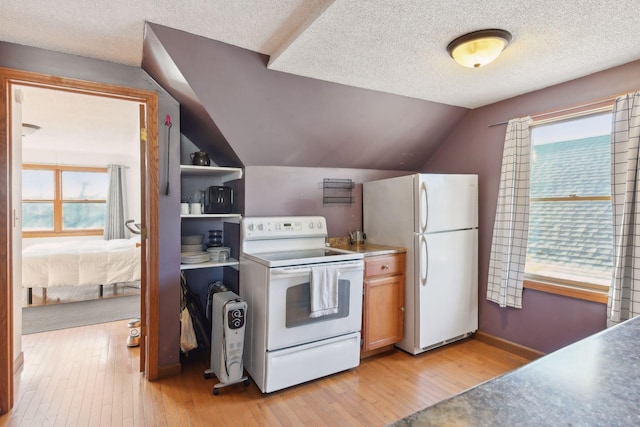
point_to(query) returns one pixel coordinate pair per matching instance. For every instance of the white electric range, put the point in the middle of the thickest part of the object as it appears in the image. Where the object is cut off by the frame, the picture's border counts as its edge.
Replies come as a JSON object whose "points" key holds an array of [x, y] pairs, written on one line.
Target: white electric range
{"points": [[284, 344]]}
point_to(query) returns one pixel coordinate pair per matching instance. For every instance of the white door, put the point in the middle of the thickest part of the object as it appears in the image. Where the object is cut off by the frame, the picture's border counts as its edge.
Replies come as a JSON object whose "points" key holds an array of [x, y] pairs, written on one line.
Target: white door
{"points": [[446, 202], [16, 214], [447, 287]]}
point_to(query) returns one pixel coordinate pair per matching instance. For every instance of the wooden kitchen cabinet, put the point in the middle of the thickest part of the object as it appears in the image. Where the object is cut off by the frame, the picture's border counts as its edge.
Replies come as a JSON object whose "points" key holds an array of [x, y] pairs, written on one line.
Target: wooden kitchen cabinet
{"points": [[383, 305]]}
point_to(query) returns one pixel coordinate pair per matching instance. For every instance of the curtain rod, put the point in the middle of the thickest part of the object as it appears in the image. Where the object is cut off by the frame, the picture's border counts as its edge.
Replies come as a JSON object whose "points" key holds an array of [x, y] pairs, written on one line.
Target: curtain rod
{"points": [[562, 110]]}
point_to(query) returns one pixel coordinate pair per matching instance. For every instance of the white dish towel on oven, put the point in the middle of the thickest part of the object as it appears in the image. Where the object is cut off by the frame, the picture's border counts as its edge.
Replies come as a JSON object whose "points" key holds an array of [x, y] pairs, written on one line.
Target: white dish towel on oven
{"points": [[324, 291]]}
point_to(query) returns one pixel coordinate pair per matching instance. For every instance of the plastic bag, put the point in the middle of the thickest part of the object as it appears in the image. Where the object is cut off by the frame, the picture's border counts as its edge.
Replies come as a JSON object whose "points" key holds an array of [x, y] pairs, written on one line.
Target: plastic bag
{"points": [[188, 339]]}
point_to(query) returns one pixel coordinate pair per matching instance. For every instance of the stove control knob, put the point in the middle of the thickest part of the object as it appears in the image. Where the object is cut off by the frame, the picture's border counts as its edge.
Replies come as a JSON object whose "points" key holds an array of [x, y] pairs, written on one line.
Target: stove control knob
{"points": [[250, 227], [320, 225], [261, 227], [311, 225]]}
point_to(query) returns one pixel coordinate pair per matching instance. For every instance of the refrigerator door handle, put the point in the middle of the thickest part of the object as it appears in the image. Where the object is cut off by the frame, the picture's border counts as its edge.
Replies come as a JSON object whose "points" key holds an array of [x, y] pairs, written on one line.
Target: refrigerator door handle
{"points": [[424, 260], [424, 207]]}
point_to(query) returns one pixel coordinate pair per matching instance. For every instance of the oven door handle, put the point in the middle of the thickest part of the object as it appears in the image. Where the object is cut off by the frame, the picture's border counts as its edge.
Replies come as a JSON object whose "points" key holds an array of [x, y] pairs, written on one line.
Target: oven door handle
{"points": [[307, 271]]}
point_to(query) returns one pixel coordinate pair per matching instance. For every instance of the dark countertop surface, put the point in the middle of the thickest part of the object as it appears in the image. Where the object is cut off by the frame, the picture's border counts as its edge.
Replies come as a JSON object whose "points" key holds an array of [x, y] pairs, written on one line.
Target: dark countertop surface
{"points": [[593, 382], [369, 249]]}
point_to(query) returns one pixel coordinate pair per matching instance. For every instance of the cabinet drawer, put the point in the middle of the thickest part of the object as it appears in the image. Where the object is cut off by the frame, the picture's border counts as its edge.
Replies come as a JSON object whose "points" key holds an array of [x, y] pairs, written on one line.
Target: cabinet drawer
{"points": [[384, 264]]}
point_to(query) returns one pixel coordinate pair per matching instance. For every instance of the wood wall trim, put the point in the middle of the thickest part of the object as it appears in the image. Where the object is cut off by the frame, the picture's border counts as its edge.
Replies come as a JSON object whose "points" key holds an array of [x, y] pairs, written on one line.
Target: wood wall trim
{"points": [[520, 350], [72, 168], [10, 77], [568, 291], [152, 208], [6, 290]]}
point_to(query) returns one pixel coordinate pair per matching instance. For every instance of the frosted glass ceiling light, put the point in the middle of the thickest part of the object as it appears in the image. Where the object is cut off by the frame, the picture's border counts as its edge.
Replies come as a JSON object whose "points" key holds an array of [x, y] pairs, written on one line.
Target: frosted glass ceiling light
{"points": [[476, 49]]}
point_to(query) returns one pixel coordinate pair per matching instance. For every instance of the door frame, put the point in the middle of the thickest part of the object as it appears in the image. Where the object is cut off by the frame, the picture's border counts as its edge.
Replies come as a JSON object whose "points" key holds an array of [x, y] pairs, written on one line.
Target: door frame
{"points": [[149, 217]]}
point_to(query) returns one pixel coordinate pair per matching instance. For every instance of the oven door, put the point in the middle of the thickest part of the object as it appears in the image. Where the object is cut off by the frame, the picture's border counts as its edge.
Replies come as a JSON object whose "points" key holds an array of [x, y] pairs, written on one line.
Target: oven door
{"points": [[289, 306]]}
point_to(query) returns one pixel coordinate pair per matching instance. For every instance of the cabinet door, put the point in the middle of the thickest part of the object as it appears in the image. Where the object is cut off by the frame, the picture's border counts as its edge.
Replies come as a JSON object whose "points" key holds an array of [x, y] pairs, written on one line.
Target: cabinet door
{"points": [[383, 318]]}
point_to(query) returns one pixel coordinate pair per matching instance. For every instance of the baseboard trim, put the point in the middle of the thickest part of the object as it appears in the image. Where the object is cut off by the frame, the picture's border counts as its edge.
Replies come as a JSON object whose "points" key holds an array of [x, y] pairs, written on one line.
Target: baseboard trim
{"points": [[375, 352], [169, 371], [18, 363], [520, 350]]}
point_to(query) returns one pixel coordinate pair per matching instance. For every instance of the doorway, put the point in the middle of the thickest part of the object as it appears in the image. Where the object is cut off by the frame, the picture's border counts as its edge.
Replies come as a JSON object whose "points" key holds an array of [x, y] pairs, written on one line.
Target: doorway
{"points": [[10, 356], [68, 140]]}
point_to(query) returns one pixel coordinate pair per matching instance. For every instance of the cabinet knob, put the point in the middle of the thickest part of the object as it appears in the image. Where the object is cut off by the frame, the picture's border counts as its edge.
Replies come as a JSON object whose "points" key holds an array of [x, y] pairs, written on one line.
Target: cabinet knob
{"points": [[385, 267], [401, 308]]}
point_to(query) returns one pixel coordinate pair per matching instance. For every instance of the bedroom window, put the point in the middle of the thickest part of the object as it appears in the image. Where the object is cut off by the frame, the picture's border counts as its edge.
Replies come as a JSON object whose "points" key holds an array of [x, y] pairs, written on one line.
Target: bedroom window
{"points": [[63, 200], [570, 226]]}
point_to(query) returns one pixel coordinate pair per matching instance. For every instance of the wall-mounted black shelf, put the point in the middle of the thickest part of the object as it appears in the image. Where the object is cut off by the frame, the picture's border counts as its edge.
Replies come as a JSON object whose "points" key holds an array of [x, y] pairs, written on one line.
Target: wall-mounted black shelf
{"points": [[337, 191]]}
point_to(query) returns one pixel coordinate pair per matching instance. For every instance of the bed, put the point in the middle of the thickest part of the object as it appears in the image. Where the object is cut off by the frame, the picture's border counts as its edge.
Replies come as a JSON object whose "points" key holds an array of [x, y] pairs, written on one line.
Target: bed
{"points": [[94, 262]]}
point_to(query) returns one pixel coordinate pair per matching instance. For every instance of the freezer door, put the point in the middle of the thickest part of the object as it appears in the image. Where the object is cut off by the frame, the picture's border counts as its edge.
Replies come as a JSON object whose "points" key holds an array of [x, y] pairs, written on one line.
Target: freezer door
{"points": [[388, 211], [446, 202], [447, 285]]}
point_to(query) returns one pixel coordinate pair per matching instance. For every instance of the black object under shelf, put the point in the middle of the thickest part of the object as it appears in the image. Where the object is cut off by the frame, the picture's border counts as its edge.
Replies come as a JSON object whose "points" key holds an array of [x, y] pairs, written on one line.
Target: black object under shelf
{"points": [[337, 191]]}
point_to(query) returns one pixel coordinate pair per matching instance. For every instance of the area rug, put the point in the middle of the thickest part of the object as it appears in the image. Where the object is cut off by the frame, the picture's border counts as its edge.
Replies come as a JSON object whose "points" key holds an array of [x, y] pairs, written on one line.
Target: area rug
{"points": [[73, 314]]}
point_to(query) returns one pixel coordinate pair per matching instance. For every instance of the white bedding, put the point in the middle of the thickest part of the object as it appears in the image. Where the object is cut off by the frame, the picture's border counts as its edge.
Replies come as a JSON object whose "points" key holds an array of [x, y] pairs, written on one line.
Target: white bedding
{"points": [[81, 262]]}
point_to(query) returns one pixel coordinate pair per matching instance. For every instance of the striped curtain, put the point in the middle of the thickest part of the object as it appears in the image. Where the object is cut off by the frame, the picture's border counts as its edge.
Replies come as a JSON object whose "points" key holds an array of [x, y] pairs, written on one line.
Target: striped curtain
{"points": [[114, 227], [624, 293], [511, 227]]}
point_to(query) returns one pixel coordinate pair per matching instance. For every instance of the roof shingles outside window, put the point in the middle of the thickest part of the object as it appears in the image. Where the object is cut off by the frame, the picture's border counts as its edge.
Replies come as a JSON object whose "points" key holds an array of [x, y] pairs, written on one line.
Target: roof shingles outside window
{"points": [[575, 236]]}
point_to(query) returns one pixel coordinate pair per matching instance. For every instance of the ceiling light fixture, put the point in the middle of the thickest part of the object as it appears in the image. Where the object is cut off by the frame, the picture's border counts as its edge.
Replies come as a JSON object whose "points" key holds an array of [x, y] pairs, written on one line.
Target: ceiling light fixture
{"points": [[29, 129], [479, 48]]}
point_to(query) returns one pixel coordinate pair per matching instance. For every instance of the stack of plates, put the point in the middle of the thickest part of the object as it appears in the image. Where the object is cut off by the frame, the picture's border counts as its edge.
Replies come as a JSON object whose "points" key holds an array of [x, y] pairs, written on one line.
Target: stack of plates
{"points": [[194, 257], [191, 248]]}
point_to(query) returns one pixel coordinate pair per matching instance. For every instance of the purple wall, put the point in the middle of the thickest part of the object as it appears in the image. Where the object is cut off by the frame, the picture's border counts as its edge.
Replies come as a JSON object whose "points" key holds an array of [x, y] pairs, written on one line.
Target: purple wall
{"points": [[279, 190], [231, 100], [546, 322]]}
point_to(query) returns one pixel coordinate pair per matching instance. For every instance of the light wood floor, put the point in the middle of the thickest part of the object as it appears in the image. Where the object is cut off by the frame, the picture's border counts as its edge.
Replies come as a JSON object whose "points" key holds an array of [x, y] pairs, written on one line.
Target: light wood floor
{"points": [[88, 377]]}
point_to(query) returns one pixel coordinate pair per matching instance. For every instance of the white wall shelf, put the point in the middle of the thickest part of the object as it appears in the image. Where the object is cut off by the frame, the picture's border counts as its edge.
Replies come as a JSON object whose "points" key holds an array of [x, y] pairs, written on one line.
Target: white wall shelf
{"points": [[224, 173], [190, 216], [195, 178], [231, 262]]}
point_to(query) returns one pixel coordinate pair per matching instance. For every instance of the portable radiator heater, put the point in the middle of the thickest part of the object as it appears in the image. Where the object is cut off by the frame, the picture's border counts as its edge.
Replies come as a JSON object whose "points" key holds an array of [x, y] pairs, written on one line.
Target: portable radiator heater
{"points": [[228, 318]]}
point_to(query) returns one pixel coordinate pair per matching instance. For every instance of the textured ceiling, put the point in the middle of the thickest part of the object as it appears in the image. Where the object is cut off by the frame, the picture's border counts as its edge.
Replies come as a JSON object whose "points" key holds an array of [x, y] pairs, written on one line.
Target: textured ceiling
{"points": [[394, 46]]}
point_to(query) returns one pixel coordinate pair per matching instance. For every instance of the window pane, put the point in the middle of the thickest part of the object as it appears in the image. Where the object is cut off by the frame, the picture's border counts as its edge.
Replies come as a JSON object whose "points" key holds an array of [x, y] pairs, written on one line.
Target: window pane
{"points": [[79, 216], [580, 167], [38, 184], [84, 185], [37, 216], [571, 240]]}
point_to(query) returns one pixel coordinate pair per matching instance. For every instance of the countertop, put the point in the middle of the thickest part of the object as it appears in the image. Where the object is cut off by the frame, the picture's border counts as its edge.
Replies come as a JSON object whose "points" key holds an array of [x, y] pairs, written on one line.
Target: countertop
{"points": [[369, 249], [593, 382]]}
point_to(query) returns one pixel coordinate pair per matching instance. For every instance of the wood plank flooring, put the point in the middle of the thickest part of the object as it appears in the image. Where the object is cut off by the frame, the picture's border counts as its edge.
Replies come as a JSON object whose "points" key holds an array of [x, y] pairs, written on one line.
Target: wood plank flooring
{"points": [[88, 377]]}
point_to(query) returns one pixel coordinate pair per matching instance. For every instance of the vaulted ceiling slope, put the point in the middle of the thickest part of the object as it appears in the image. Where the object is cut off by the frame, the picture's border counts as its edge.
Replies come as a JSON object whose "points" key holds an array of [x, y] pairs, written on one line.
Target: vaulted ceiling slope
{"points": [[230, 98]]}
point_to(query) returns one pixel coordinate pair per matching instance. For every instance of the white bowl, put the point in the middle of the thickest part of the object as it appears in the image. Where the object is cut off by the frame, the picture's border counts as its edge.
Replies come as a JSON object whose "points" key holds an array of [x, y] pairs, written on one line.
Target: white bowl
{"points": [[192, 240]]}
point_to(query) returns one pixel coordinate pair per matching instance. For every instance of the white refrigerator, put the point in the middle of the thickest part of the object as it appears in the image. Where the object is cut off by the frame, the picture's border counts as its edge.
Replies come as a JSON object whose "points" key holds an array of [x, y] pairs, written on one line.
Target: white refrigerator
{"points": [[434, 216]]}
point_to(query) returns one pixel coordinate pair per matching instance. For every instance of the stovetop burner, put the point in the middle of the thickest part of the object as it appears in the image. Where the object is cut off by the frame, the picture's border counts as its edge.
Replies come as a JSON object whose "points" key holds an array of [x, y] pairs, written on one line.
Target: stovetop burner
{"points": [[289, 241], [301, 257]]}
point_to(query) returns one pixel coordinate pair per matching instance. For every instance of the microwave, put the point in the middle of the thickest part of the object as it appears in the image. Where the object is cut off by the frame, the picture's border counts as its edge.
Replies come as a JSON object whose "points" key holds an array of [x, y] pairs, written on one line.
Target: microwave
{"points": [[218, 199]]}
